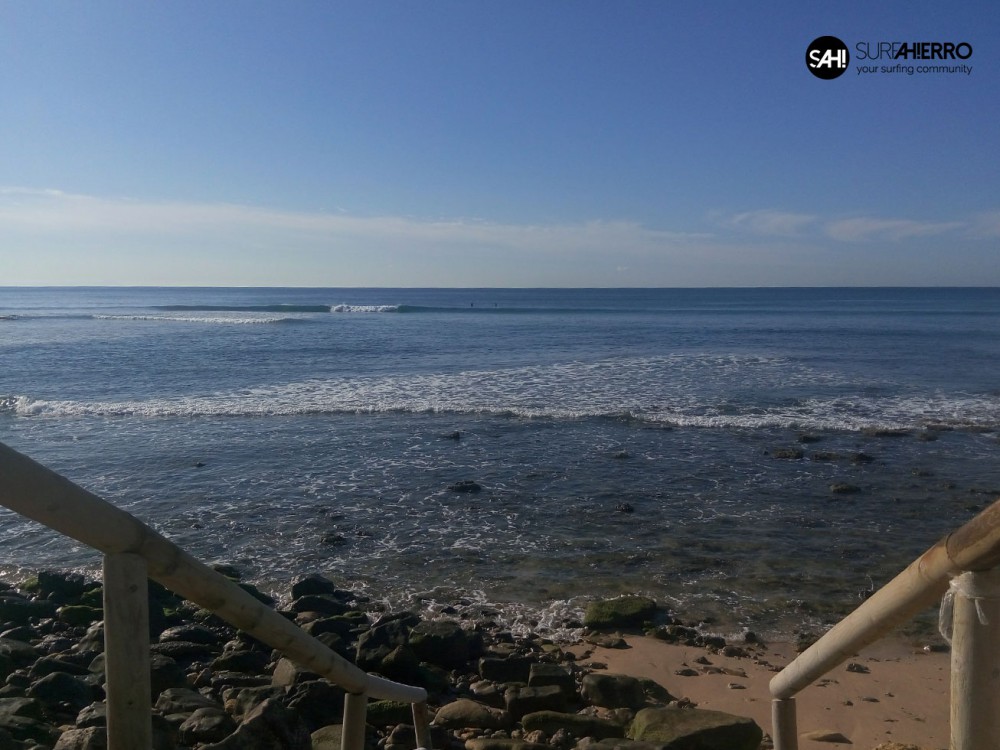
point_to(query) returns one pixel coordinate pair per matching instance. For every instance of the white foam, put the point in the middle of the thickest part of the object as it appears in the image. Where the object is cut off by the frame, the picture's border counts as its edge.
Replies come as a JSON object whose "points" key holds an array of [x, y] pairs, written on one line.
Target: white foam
{"points": [[677, 390], [203, 319], [364, 308]]}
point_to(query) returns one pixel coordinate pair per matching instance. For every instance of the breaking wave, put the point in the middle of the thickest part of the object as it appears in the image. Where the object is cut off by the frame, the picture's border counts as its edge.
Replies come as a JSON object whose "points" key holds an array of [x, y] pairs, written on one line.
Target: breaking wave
{"points": [[705, 391]]}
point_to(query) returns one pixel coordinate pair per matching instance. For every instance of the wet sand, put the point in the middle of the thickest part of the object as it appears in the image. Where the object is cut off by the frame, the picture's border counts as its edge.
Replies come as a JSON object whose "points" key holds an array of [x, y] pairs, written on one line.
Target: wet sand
{"points": [[903, 697]]}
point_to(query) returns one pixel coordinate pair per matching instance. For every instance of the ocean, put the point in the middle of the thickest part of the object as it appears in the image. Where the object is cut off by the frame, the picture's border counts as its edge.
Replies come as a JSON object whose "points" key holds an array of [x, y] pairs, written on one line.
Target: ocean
{"points": [[752, 458]]}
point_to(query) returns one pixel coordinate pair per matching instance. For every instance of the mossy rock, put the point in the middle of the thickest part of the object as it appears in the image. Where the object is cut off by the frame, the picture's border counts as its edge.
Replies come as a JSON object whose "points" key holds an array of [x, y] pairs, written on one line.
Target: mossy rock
{"points": [[695, 728], [80, 614], [624, 612]]}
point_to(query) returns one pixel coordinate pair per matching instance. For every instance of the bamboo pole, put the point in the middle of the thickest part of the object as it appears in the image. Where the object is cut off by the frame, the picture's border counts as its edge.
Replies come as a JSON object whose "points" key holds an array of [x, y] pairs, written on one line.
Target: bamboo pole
{"points": [[975, 546], [40, 494], [126, 652], [975, 662]]}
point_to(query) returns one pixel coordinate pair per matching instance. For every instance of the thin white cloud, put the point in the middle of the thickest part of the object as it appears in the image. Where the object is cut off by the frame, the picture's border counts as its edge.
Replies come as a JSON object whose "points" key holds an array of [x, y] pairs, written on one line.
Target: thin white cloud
{"points": [[870, 228], [772, 223], [55, 212]]}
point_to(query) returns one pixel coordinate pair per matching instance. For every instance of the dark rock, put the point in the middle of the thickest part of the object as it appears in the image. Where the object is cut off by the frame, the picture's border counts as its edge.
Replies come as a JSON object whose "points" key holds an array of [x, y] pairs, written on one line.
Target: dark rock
{"points": [[20, 633], [270, 725], [63, 693], [25, 707], [251, 662], [502, 743], [325, 604], [467, 714], [288, 674], [542, 673], [206, 725], [184, 652], [92, 738], [841, 488], [345, 627], [248, 699], [613, 690], [488, 692], [525, 700], [18, 653], [319, 703], [466, 486], [511, 669], [79, 615], [191, 634], [402, 665], [30, 731], [695, 729], [258, 594], [376, 644], [576, 725], [49, 664], [441, 642], [62, 588], [793, 454], [389, 713], [313, 584], [19, 610], [182, 701], [94, 715], [623, 612]]}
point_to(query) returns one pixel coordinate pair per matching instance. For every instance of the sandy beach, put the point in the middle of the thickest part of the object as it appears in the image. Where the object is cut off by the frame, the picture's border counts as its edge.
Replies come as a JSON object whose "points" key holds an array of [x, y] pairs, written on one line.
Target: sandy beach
{"points": [[902, 697]]}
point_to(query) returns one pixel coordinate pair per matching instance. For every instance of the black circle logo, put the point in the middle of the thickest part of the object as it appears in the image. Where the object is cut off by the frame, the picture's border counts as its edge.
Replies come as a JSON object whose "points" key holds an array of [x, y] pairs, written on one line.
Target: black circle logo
{"points": [[827, 57]]}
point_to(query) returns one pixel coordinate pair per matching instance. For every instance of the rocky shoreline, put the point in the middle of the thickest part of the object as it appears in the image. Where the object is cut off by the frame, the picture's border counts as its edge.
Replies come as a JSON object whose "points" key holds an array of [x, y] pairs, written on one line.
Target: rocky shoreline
{"points": [[214, 688]]}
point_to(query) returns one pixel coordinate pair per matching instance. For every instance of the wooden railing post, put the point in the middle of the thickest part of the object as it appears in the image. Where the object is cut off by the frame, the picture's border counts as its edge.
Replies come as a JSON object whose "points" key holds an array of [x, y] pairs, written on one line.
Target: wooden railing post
{"points": [[352, 735], [126, 652], [975, 662], [784, 727], [421, 726]]}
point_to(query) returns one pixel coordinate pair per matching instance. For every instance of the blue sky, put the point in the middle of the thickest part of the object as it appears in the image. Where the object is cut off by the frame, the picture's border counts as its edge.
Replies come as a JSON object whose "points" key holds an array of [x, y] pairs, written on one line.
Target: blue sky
{"points": [[515, 143]]}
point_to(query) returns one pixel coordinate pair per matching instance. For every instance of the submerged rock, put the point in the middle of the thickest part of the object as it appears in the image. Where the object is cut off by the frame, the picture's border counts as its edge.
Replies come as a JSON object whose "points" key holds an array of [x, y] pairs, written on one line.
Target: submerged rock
{"points": [[624, 612]]}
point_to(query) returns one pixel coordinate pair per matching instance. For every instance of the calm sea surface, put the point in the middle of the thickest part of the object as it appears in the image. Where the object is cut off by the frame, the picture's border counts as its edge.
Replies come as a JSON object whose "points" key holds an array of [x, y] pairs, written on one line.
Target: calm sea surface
{"points": [[297, 430]]}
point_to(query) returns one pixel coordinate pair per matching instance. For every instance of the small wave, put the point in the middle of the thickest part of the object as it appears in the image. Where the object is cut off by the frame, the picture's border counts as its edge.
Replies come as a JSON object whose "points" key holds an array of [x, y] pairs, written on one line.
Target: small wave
{"points": [[365, 308], [206, 320], [10, 317], [246, 308]]}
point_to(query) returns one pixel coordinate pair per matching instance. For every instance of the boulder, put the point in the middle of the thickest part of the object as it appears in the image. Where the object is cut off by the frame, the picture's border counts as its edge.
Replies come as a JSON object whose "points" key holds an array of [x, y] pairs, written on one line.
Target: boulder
{"points": [[441, 642], [63, 693], [325, 604], [62, 587], [270, 725], [182, 701], [525, 700], [207, 724], [541, 674], [613, 690], [695, 729], [499, 743], [468, 714], [92, 738], [191, 634], [313, 584], [510, 669], [319, 703], [623, 612], [576, 725]]}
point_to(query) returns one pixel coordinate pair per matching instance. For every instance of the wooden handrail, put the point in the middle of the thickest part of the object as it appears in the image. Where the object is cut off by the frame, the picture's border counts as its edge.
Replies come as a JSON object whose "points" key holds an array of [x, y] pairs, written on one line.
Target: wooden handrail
{"points": [[40, 494], [973, 547]]}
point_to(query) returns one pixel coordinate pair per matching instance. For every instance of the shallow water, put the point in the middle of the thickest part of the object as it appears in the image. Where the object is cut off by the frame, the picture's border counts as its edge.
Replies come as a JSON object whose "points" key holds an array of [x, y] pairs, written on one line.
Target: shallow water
{"points": [[327, 442]]}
